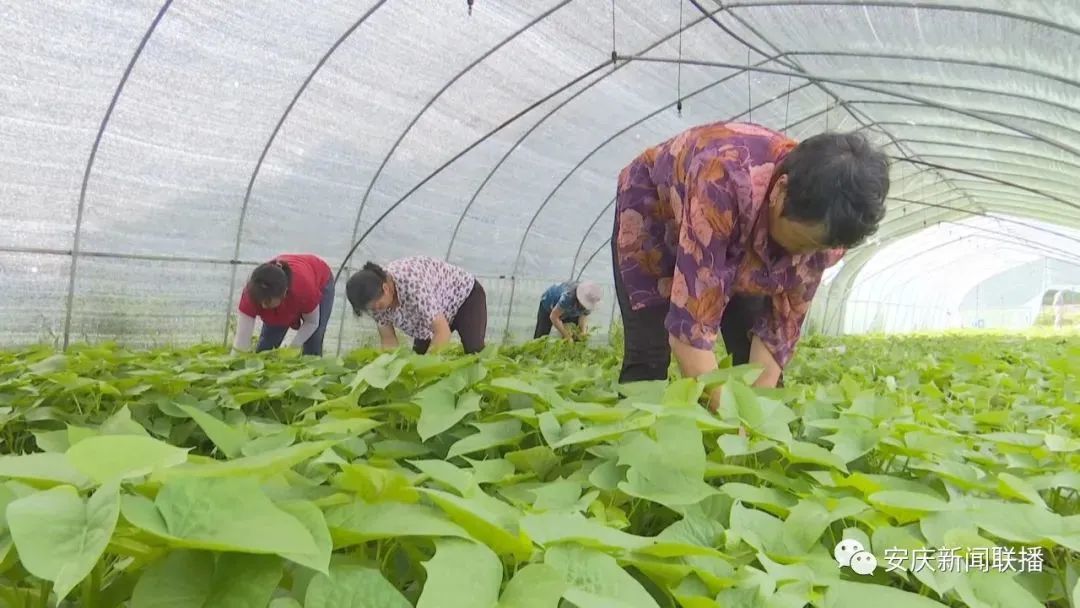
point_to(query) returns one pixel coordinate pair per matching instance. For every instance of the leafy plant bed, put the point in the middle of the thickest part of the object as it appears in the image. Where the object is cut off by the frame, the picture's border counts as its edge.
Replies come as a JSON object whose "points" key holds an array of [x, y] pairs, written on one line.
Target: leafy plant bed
{"points": [[520, 478]]}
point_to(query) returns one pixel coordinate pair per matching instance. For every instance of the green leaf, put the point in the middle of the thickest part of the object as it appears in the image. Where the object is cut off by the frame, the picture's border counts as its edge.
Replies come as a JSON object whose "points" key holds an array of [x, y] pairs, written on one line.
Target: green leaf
{"points": [[108, 457], [50, 365], [331, 426], [359, 522], [461, 481], [441, 408], [78, 433], [312, 518], [1012, 486], [595, 580], [1062, 479], [670, 470], [378, 484], [800, 452], [734, 445], [50, 468], [559, 495], [872, 406], [1057, 443], [393, 449], [602, 432], [555, 528], [887, 538], [550, 429], [486, 519], [907, 506], [650, 391], [770, 499], [493, 471], [684, 392], [226, 438], [545, 394], [805, 525], [269, 443], [463, 574], [491, 434], [381, 372], [855, 437], [265, 464], [1022, 523], [607, 476], [351, 586], [344, 402], [762, 416], [844, 594], [693, 529], [534, 586], [59, 536], [538, 460], [120, 423], [815, 569], [52, 441], [995, 590], [758, 529], [220, 515], [1027, 440], [197, 579]]}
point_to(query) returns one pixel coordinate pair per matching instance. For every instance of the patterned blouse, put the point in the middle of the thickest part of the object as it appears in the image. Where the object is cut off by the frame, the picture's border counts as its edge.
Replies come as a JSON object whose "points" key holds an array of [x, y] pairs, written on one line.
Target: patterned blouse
{"points": [[692, 230], [426, 288]]}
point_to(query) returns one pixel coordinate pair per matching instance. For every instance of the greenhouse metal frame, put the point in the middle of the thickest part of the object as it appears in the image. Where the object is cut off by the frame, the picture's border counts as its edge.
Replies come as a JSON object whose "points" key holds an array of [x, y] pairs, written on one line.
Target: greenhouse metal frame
{"points": [[976, 130]]}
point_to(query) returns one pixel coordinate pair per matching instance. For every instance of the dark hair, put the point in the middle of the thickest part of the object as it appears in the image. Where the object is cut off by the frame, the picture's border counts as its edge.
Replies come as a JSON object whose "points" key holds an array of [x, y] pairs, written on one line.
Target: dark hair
{"points": [[364, 286], [269, 281], [839, 180]]}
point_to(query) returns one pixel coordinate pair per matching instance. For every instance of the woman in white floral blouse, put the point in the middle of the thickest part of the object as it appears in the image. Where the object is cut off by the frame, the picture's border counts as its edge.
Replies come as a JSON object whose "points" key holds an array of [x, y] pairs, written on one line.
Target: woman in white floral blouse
{"points": [[425, 298]]}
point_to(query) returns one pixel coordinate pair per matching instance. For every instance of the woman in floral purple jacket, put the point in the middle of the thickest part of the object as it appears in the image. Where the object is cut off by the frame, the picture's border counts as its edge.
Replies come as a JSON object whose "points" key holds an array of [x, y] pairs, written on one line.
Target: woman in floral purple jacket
{"points": [[725, 231]]}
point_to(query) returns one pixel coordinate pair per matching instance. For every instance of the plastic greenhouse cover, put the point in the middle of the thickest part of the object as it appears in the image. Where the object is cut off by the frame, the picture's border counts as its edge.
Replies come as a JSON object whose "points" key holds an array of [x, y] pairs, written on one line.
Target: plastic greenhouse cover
{"points": [[242, 130]]}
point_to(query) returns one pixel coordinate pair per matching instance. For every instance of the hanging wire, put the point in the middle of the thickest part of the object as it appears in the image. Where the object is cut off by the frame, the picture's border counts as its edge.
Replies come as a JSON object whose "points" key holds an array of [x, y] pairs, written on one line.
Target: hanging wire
{"points": [[787, 102], [678, 104], [827, 116], [614, 54], [749, 92]]}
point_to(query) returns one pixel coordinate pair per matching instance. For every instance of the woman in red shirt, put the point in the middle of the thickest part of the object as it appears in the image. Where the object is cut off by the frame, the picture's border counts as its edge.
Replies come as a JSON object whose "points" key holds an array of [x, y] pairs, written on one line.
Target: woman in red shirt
{"points": [[292, 290]]}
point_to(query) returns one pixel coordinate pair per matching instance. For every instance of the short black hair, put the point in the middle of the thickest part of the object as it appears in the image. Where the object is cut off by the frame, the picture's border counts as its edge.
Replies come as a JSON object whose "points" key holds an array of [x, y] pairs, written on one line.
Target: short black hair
{"points": [[364, 286], [269, 281], [839, 180]]}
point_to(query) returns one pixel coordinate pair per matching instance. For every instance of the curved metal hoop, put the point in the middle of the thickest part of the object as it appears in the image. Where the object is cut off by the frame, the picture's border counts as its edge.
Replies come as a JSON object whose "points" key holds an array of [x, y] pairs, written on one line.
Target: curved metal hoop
{"points": [[90, 164], [270, 142], [517, 144]]}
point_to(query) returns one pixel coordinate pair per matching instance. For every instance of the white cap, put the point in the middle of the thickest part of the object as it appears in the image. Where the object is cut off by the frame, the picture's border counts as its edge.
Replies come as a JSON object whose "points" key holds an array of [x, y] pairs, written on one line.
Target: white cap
{"points": [[589, 294]]}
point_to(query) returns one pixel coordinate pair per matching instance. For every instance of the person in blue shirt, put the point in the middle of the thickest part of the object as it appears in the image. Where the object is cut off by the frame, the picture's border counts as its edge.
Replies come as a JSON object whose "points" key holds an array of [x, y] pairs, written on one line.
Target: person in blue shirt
{"points": [[569, 302]]}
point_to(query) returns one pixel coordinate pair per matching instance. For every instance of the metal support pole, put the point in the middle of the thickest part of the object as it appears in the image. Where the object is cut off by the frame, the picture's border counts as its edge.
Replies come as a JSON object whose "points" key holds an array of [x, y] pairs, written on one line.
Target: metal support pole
{"points": [[510, 308], [90, 166]]}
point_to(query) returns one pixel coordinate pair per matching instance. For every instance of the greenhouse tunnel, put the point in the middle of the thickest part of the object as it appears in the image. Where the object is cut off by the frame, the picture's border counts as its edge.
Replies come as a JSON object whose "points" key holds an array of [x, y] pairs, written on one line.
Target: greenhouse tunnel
{"points": [[894, 427], [154, 152]]}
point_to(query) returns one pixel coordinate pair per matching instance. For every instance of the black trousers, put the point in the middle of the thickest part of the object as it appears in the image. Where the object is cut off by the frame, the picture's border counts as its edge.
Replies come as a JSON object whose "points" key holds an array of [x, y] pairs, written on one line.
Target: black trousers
{"points": [[646, 352], [470, 323], [543, 322]]}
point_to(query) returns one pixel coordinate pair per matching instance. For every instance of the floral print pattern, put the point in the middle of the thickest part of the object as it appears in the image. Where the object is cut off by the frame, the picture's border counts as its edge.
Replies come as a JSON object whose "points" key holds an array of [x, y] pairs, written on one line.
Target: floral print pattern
{"points": [[692, 231], [426, 287]]}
